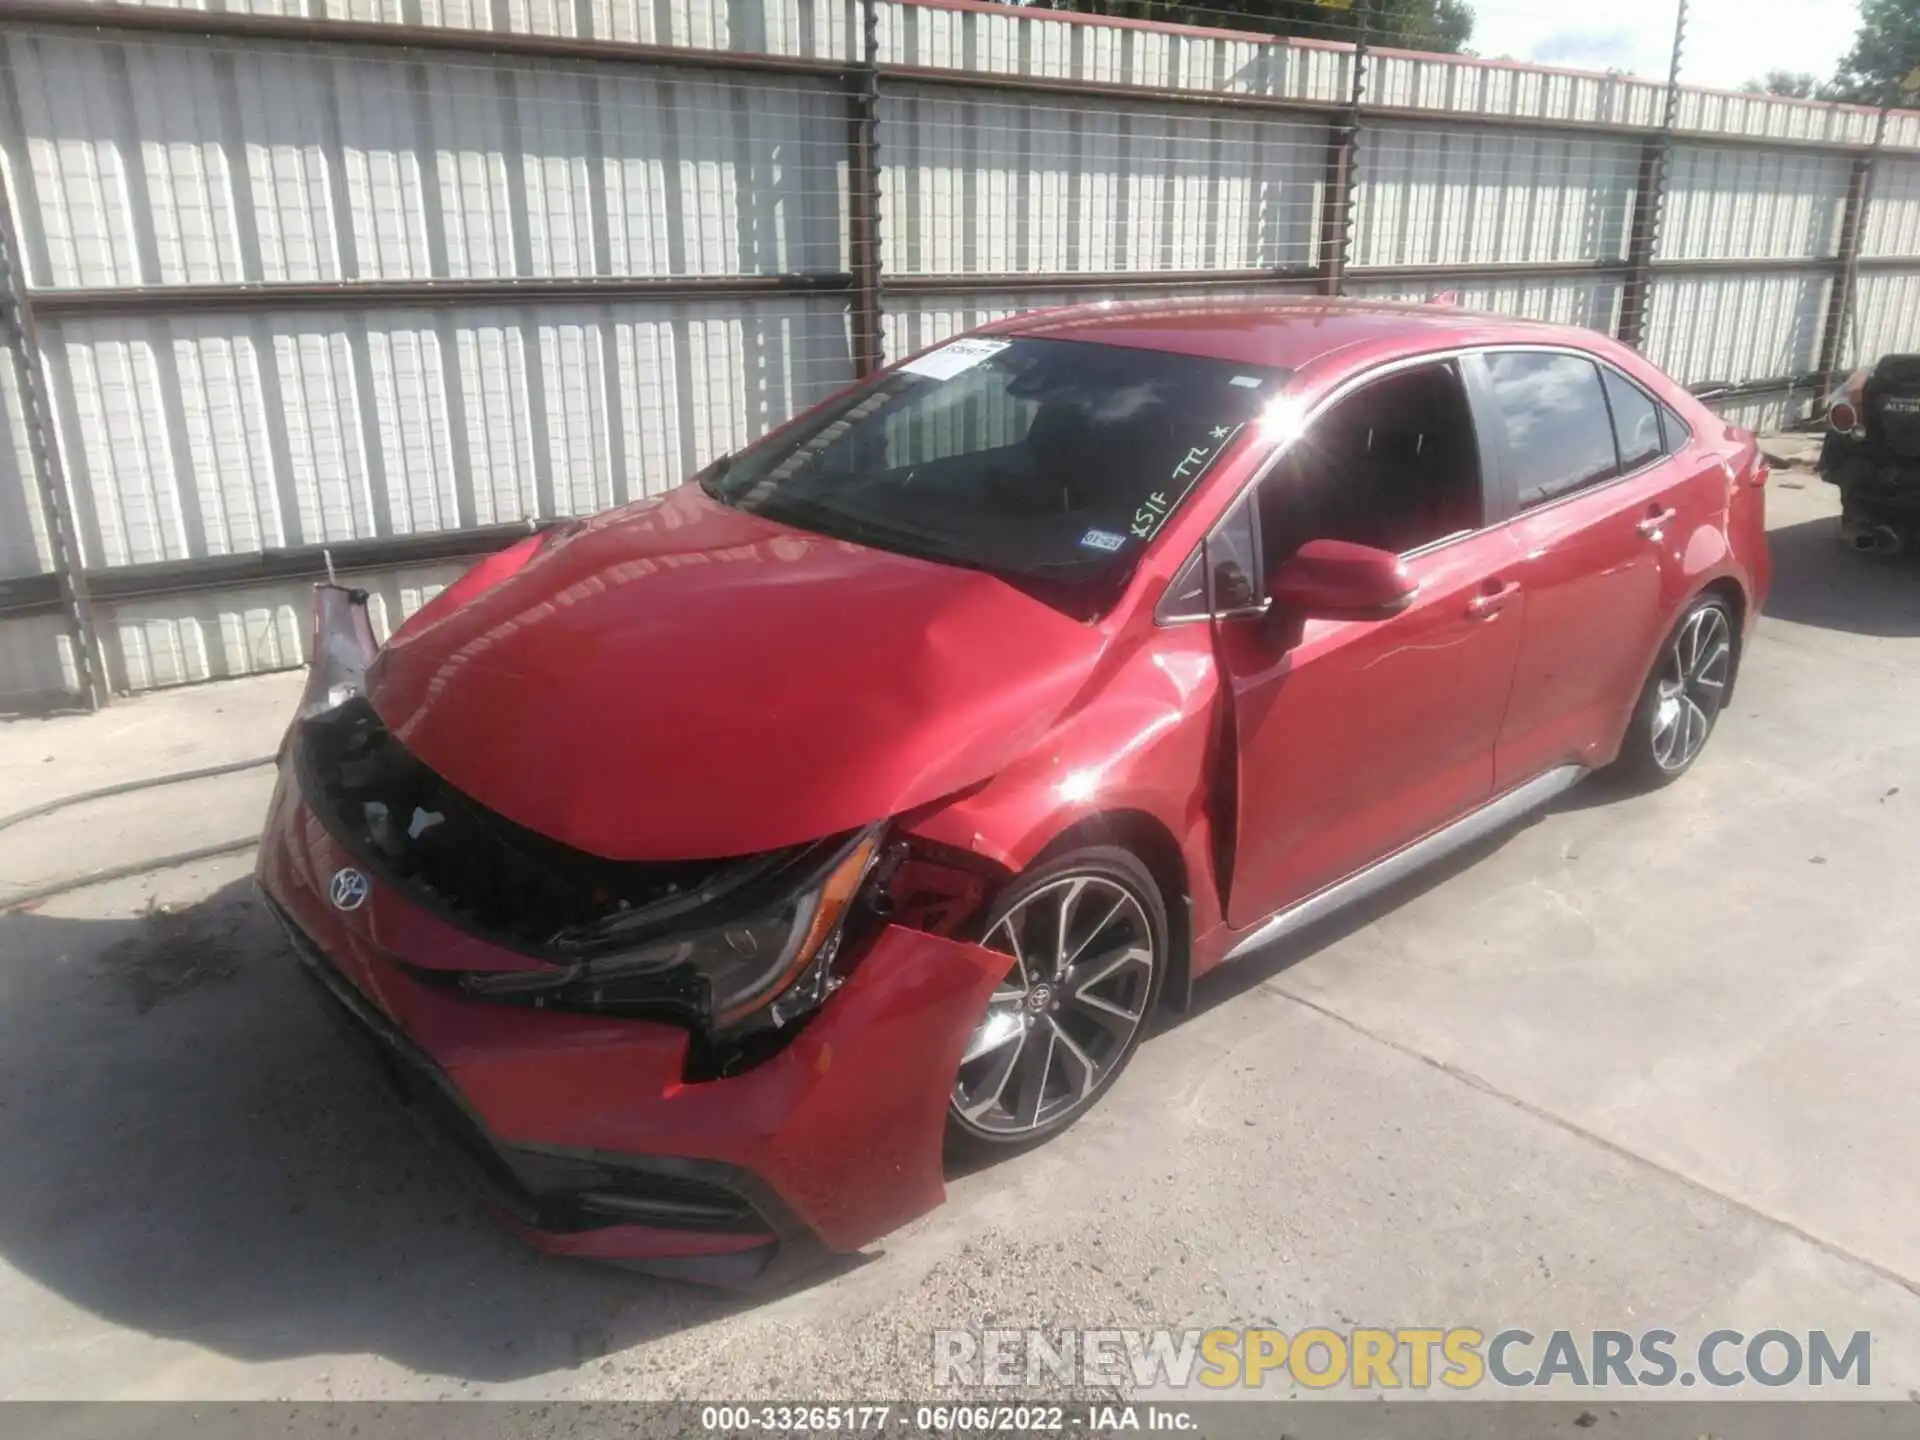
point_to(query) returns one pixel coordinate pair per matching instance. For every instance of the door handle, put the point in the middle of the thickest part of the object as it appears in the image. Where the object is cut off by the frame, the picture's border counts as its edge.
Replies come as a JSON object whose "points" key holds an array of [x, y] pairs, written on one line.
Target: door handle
{"points": [[1489, 603], [1652, 525]]}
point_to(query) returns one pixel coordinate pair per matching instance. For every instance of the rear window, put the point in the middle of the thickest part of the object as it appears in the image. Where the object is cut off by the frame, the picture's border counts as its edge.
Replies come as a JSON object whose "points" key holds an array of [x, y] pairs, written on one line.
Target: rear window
{"points": [[1050, 463], [1636, 421], [1551, 424]]}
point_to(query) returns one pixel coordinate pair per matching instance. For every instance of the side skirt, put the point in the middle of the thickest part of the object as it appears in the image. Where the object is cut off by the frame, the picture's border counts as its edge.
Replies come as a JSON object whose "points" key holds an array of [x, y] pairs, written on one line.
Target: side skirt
{"points": [[1496, 813]]}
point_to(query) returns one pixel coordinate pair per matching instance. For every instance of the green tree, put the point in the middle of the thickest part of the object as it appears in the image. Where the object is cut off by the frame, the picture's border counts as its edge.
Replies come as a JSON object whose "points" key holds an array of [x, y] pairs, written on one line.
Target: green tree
{"points": [[1885, 58], [1794, 84], [1444, 25]]}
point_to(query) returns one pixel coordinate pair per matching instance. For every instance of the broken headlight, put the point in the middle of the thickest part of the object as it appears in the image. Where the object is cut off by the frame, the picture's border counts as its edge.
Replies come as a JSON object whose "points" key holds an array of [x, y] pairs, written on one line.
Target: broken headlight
{"points": [[342, 648], [777, 963]]}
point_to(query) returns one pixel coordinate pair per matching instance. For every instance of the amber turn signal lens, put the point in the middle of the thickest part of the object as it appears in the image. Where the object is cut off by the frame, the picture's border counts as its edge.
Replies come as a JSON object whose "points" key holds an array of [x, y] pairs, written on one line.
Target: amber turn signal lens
{"points": [[835, 895], [829, 906]]}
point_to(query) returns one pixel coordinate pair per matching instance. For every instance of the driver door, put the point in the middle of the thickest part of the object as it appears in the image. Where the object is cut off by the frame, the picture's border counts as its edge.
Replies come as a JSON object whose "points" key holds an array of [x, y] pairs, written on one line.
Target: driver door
{"points": [[1356, 738]]}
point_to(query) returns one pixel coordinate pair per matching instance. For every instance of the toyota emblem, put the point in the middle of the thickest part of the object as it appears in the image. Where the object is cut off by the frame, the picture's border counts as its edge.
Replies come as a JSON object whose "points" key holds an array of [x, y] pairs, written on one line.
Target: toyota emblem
{"points": [[349, 890]]}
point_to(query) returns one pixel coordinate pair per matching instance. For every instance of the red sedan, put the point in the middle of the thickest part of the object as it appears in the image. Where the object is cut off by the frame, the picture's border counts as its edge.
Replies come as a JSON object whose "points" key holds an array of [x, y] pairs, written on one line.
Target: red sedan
{"points": [[705, 870]]}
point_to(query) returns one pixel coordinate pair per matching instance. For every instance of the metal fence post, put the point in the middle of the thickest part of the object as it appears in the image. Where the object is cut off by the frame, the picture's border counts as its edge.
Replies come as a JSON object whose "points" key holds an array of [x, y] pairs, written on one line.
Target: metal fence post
{"points": [[1337, 197], [863, 195], [16, 319], [1844, 291], [1650, 200]]}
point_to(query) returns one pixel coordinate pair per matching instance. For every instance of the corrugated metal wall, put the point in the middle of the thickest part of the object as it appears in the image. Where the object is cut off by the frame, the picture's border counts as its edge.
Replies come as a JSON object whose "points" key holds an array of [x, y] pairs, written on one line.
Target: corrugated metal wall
{"points": [[1594, 304], [1893, 215], [468, 330], [973, 183], [185, 162], [1728, 204], [1737, 328], [1473, 197], [1047, 46], [166, 162], [211, 435], [823, 28]]}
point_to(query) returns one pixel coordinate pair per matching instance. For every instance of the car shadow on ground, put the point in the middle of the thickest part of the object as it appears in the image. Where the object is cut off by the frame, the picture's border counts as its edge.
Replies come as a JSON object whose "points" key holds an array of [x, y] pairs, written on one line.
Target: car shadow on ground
{"points": [[195, 1153], [1233, 980], [1821, 581]]}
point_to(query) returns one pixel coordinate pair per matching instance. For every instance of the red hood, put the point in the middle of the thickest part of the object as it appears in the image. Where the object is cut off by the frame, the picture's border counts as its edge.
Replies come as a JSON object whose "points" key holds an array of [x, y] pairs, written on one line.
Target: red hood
{"points": [[680, 680]]}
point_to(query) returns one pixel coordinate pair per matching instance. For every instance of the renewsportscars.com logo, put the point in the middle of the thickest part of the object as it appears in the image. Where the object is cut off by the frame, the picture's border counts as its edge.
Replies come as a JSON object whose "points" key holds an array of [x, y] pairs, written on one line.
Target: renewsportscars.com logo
{"points": [[1320, 1358]]}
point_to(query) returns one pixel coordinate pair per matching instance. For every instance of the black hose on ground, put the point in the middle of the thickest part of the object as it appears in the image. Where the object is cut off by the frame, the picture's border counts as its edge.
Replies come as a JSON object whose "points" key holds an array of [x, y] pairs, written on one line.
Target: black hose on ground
{"points": [[10, 900], [13, 900], [128, 786]]}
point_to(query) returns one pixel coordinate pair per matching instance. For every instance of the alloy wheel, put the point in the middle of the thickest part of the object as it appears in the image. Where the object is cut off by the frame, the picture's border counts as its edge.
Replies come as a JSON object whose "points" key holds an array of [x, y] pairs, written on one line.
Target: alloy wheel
{"points": [[1692, 685], [1084, 960]]}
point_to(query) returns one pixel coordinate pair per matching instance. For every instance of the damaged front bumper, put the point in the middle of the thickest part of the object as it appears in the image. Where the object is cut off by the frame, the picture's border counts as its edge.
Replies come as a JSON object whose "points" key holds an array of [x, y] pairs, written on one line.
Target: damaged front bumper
{"points": [[587, 1132]]}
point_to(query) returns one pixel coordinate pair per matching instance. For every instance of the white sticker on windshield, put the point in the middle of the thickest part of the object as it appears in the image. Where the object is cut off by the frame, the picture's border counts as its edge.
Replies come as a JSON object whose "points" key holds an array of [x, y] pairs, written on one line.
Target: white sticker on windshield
{"points": [[1102, 540], [955, 356], [1246, 382]]}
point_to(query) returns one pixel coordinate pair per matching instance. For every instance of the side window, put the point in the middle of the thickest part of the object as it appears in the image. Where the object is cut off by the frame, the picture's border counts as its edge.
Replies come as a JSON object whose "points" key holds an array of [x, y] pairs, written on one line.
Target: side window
{"points": [[1636, 422], [1676, 429], [1186, 597], [1550, 423], [1233, 550], [1238, 584], [1394, 465]]}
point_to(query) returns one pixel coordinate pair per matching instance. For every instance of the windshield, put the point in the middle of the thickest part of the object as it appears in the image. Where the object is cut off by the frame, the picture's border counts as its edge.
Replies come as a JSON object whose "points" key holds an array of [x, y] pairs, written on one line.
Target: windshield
{"points": [[1050, 463]]}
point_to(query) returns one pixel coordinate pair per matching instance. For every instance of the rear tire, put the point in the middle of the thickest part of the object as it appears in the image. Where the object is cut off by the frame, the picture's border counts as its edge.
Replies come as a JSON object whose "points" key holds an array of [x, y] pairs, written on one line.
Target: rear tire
{"points": [[1086, 939], [1683, 697]]}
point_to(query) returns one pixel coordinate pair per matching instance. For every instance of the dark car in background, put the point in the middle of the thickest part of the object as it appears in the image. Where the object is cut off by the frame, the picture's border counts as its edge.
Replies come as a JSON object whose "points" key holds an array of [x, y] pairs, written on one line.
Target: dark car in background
{"points": [[706, 870]]}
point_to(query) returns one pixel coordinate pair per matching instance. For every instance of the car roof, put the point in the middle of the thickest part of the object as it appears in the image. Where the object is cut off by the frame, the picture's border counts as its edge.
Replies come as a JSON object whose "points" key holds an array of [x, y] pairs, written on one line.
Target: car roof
{"points": [[1290, 332]]}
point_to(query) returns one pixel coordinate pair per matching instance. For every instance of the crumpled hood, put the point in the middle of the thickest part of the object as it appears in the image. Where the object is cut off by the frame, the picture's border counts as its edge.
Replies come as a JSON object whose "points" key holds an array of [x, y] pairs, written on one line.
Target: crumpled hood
{"points": [[681, 680]]}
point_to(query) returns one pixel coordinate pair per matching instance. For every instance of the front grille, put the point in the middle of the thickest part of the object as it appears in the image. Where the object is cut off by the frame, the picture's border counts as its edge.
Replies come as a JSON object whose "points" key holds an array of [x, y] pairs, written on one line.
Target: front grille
{"points": [[558, 1192], [493, 878]]}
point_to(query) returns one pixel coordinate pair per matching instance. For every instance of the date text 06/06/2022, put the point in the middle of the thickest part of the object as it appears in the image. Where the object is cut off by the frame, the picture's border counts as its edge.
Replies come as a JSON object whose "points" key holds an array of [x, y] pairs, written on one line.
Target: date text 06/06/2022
{"points": [[944, 1419]]}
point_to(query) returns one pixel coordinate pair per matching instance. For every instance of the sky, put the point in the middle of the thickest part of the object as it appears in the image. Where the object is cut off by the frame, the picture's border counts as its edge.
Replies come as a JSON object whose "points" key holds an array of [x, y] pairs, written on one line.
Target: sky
{"points": [[1728, 41]]}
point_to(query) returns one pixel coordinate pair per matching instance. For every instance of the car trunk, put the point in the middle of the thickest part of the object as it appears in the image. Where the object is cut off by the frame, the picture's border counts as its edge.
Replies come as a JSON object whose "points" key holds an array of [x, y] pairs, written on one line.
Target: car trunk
{"points": [[1892, 405]]}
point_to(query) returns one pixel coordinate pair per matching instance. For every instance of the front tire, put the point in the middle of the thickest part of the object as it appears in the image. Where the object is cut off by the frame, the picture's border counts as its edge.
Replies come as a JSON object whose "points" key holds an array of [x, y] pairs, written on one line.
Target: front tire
{"points": [[1683, 697], [1086, 939]]}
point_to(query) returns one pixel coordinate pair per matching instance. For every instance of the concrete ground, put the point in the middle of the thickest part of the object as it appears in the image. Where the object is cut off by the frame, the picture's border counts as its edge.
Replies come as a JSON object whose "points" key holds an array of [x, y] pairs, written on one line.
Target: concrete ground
{"points": [[1647, 1062]]}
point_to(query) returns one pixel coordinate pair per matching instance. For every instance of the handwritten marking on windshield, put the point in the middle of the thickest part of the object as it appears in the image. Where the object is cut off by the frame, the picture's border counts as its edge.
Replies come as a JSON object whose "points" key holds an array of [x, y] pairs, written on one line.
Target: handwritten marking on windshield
{"points": [[1191, 462], [1154, 510], [1149, 516]]}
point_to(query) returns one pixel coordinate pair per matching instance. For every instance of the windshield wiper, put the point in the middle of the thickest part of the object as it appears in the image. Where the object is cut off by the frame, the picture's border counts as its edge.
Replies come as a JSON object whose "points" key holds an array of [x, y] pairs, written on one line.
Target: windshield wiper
{"points": [[864, 530]]}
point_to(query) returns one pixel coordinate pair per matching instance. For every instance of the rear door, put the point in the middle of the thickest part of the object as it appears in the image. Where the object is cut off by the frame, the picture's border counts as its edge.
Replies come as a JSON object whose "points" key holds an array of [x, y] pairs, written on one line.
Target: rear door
{"points": [[1581, 455]]}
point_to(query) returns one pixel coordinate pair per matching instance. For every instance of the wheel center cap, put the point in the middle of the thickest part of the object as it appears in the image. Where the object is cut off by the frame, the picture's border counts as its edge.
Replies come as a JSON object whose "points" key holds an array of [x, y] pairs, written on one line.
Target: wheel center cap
{"points": [[1039, 998]]}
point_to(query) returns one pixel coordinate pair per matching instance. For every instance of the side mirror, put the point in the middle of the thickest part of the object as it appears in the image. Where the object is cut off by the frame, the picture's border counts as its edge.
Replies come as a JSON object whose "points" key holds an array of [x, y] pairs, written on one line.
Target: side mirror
{"points": [[1333, 580], [1233, 591]]}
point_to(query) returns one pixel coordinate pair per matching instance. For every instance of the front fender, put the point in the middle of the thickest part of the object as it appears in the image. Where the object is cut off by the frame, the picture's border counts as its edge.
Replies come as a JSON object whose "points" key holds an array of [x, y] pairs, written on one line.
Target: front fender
{"points": [[1142, 742]]}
